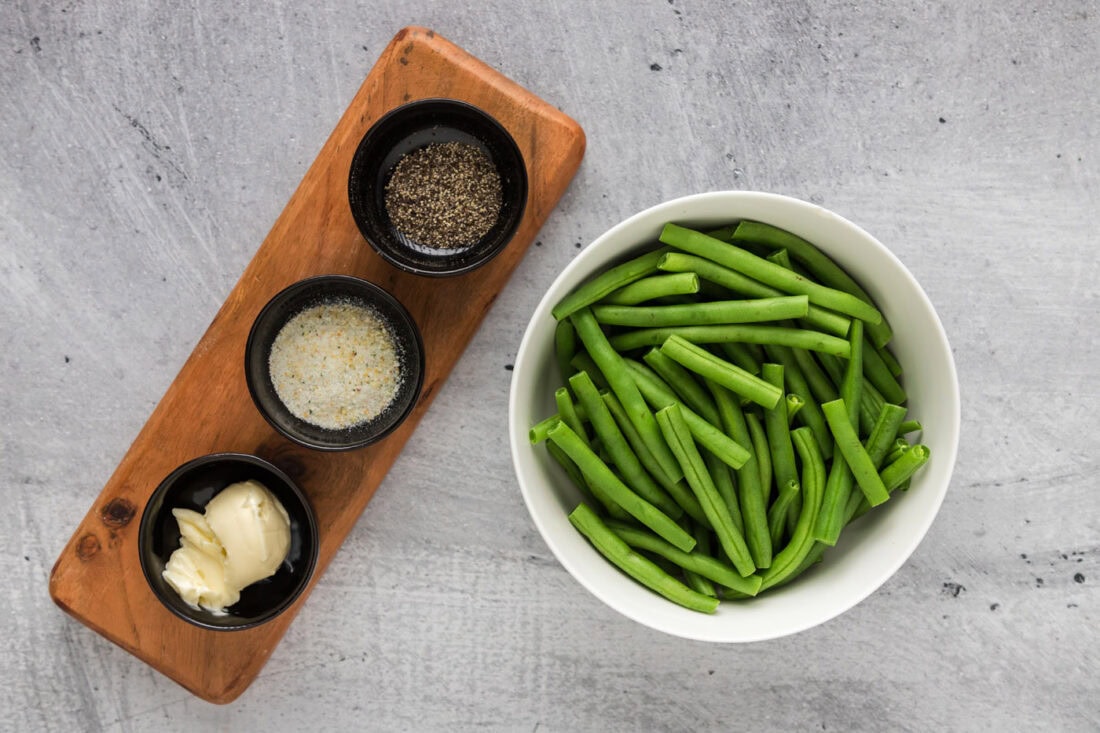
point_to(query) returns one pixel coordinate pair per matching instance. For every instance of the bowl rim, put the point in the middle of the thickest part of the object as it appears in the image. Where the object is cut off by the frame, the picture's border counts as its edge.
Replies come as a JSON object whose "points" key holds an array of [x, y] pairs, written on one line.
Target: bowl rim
{"points": [[674, 210], [357, 198], [375, 290], [310, 518]]}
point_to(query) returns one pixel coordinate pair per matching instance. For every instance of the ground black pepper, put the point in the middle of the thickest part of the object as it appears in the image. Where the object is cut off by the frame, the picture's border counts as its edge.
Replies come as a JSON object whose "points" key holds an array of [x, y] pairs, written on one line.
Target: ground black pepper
{"points": [[445, 195]]}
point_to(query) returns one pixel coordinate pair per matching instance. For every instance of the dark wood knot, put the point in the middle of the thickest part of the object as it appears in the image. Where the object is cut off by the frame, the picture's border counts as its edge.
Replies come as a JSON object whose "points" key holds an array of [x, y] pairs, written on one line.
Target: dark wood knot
{"points": [[118, 512], [87, 547]]}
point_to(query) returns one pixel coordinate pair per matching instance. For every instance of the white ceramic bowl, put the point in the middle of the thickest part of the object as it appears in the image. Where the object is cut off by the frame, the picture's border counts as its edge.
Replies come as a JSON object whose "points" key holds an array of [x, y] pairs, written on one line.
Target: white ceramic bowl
{"points": [[872, 548]]}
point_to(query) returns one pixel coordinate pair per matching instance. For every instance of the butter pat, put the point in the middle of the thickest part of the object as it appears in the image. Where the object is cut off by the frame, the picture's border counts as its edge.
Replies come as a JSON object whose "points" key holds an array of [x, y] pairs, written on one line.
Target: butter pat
{"points": [[242, 537]]}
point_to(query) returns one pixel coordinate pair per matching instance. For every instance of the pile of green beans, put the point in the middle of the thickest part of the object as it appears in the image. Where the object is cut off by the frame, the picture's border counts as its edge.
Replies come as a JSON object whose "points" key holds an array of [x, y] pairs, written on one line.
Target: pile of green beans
{"points": [[725, 415]]}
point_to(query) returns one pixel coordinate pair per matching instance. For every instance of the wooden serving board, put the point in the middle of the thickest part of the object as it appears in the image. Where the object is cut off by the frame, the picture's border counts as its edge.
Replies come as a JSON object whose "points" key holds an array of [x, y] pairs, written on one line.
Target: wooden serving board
{"points": [[207, 409]]}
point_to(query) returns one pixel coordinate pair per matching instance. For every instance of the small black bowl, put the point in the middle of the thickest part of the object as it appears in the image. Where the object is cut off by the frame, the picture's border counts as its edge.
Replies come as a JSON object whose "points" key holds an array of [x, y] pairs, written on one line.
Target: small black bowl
{"points": [[316, 291], [417, 125], [191, 486]]}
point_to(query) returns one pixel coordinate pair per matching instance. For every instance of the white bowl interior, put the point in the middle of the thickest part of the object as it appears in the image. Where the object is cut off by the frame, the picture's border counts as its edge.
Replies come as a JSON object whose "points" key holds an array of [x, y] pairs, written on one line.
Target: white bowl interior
{"points": [[871, 549]]}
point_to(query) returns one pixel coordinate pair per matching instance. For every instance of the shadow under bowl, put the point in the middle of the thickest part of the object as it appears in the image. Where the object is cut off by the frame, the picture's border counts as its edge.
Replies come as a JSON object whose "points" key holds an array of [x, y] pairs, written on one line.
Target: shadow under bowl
{"points": [[191, 486], [407, 129], [317, 291]]}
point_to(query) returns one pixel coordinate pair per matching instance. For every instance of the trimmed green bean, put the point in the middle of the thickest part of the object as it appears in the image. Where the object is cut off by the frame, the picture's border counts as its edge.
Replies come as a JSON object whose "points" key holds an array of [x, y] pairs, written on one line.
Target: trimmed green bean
{"points": [[568, 413], [769, 273], [878, 373], [748, 476], [659, 395], [888, 358], [611, 364], [895, 474], [683, 384], [847, 442], [820, 384], [796, 382], [794, 405], [779, 510], [714, 313], [851, 386], [697, 561], [570, 469], [582, 362], [696, 582], [608, 282], [729, 375], [723, 481], [678, 489], [790, 558], [778, 432], [611, 546], [909, 426], [598, 474], [754, 499], [747, 333], [740, 355], [653, 287], [679, 439], [539, 430], [817, 262], [617, 447], [763, 454], [820, 318], [565, 346]]}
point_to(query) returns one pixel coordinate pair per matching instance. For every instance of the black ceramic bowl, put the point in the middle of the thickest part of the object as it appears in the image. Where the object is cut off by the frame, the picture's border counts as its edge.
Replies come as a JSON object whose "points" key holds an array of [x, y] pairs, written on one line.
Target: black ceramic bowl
{"points": [[191, 486], [417, 125], [316, 291]]}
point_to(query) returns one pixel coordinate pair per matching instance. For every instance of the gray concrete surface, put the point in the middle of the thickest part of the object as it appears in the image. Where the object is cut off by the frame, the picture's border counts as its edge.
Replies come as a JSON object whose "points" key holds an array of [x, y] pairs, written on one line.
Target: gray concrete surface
{"points": [[148, 147]]}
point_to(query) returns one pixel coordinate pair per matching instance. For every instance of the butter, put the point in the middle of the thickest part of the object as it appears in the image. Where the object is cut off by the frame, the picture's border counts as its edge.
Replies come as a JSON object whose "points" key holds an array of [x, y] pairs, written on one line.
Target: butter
{"points": [[242, 537]]}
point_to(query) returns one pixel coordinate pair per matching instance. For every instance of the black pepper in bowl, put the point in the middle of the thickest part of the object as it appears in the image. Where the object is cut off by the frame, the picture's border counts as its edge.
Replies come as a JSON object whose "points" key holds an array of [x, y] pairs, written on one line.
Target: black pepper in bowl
{"points": [[437, 187], [444, 195]]}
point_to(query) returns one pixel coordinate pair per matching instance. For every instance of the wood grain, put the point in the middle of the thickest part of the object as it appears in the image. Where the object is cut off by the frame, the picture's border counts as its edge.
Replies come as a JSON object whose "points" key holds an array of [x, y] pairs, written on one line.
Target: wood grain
{"points": [[98, 577]]}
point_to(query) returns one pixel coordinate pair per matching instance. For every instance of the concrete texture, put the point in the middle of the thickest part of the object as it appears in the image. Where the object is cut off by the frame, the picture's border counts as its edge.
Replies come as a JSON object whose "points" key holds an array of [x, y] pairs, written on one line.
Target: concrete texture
{"points": [[148, 147]]}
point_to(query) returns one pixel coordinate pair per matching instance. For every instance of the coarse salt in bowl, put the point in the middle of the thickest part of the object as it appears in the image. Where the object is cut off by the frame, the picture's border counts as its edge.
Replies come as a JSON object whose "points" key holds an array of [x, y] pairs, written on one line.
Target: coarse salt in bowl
{"points": [[872, 548]]}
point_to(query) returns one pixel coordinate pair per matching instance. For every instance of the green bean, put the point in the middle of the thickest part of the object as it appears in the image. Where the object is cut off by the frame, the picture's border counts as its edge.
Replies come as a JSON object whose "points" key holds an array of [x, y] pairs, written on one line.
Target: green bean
{"points": [[794, 405], [568, 413], [570, 469], [714, 313], [565, 346], [895, 474], [604, 425], [878, 373], [683, 384], [611, 364], [608, 282], [797, 383], [653, 287], [679, 439], [740, 355], [851, 386], [696, 582], [747, 333], [821, 318], [697, 561], [748, 476], [659, 395], [821, 386], [838, 490], [598, 474], [870, 400], [891, 362], [818, 263], [790, 558], [763, 454], [777, 431], [582, 362], [847, 442], [723, 481], [897, 449], [779, 510], [730, 376], [539, 430], [734, 257], [611, 546], [909, 426], [781, 258], [678, 490]]}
